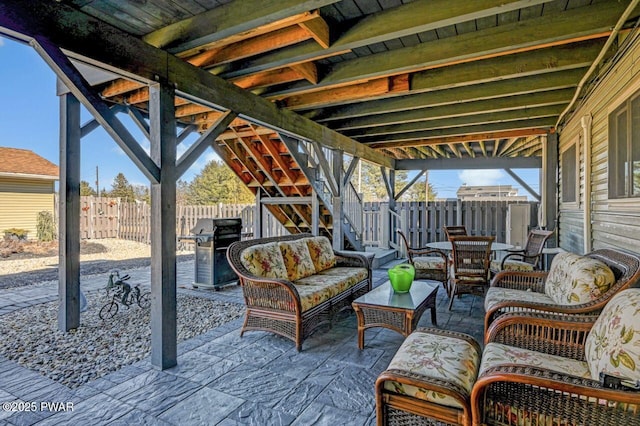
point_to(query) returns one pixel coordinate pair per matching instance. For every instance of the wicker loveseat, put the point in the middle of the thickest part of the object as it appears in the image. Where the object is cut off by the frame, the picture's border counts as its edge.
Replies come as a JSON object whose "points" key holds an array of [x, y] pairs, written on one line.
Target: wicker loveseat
{"points": [[294, 284], [574, 285]]}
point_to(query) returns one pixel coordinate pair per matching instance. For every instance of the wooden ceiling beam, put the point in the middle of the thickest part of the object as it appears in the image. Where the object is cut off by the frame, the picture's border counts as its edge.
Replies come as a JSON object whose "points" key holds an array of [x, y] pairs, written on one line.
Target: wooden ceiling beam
{"points": [[268, 78], [194, 109], [253, 46], [483, 148], [545, 123], [454, 148], [95, 42], [119, 87], [229, 135], [307, 70], [508, 145], [584, 23], [463, 138], [516, 86], [573, 25], [465, 120], [407, 19], [351, 93], [470, 151], [552, 97], [231, 22], [496, 147], [470, 163], [318, 29]]}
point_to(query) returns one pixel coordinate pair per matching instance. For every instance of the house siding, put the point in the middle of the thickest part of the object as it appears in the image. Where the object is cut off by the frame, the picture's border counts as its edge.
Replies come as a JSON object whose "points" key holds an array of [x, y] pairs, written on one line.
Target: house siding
{"points": [[21, 200], [615, 223]]}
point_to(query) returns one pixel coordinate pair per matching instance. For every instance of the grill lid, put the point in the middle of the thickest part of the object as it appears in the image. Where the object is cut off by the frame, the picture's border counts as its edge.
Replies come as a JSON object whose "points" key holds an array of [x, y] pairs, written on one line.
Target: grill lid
{"points": [[210, 226]]}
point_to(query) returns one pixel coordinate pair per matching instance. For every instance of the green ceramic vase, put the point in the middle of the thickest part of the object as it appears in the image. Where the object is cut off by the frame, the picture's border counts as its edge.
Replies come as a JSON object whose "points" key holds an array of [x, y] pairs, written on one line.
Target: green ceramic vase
{"points": [[401, 277]]}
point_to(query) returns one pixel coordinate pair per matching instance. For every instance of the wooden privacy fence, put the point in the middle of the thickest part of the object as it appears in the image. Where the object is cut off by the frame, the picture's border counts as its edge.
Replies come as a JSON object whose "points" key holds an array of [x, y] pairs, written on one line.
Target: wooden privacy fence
{"points": [[102, 217], [422, 222]]}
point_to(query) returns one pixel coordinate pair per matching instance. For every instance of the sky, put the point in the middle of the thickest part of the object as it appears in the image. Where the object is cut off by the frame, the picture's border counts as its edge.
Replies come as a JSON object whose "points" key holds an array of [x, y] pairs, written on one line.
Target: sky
{"points": [[29, 119]]}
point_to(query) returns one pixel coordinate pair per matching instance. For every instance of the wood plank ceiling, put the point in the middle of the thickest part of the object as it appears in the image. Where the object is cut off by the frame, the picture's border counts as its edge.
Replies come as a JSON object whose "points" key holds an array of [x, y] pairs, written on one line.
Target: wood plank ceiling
{"points": [[413, 79]]}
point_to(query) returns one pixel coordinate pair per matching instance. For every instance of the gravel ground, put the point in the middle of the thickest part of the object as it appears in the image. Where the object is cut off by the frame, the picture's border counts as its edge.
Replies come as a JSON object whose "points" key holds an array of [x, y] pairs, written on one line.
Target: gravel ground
{"points": [[118, 254], [31, 338], [97, 347]]}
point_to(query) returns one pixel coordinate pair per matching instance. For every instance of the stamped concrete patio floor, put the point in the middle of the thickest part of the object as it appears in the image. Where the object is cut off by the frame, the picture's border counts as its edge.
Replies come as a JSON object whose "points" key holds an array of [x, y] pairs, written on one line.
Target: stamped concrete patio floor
{"points": [[223, 379]]}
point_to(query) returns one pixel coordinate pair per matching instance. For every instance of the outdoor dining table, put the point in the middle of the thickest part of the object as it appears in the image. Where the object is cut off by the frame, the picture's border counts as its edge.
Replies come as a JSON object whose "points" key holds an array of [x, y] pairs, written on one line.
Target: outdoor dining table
{"points": [[446, 246], [495, 247]]}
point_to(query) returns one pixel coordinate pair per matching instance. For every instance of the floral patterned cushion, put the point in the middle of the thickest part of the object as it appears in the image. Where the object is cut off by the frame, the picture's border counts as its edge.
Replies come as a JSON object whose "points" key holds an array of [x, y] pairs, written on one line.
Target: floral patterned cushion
{"points": [[317, 288], [496, 295], [321, 252], [297, 259], [314, 294], [502, 413], [264, 260], [511, 265], [438, 357], [433, 262], [495, 354], [613, 345], [575, 279]]}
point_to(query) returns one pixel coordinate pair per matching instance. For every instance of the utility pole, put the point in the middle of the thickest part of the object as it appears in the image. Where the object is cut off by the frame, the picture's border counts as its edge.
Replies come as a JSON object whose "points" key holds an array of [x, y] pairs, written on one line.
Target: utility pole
{"points": [[97, 183]]}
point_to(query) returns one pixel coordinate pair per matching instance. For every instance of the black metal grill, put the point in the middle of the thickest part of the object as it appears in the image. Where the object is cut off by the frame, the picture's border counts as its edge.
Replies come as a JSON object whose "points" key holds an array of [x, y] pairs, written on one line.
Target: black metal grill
{"points": [[212, 238]]}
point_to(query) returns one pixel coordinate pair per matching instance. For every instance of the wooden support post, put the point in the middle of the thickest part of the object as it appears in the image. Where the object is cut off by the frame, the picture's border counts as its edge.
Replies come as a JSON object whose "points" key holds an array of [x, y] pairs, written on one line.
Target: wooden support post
{"points": [[69, 214], [550, 187], [257, 218], [315, 213], [338, 210], [163, 227]]}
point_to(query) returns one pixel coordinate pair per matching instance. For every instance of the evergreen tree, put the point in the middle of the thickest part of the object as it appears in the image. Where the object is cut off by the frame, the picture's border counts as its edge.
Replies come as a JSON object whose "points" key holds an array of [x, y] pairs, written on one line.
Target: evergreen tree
{"points": [[86, 189], [217, 183], [418, 192], [373, 188], [182, 188], [122, 188], [142, 193]]}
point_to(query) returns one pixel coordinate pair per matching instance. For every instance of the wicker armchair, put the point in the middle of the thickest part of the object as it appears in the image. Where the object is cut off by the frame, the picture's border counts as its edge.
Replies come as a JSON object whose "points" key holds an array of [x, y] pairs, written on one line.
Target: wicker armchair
{"points": [[430, 264], [527, 259], [470, 265], [454, 231], [544, 368], [526, 291]]}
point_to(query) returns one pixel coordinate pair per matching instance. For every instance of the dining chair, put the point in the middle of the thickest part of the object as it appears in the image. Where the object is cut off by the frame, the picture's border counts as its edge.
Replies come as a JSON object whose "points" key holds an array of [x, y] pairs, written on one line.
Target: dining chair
{"points": [[452, 231], [430, 264], [527, 259], [470, 265]]}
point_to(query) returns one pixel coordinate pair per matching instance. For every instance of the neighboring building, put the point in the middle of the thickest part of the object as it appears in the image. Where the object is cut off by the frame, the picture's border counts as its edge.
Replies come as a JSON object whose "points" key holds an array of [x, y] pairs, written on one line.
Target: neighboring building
{"points": [[27, 186], [489, 193]]}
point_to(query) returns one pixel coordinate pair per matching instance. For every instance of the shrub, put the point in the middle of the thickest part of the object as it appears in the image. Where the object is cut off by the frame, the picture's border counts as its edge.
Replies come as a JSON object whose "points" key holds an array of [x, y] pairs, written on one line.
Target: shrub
{"points": [[46, 227], [15, 234]]}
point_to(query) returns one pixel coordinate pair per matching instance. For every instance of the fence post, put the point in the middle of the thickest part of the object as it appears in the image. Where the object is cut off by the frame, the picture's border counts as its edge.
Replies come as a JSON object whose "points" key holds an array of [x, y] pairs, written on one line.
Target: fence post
{"points": [[383, 236], [404, 227]]}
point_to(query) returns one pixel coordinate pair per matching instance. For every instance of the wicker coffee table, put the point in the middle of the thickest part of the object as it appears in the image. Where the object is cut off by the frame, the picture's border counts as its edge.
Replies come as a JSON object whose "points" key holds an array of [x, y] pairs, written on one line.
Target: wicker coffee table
{"points": [[382, 307]]}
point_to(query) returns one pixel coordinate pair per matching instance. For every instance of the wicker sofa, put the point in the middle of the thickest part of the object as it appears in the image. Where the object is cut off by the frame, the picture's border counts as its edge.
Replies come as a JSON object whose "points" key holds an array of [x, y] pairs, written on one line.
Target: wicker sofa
{"points": [[293, 285], [574, 285]]}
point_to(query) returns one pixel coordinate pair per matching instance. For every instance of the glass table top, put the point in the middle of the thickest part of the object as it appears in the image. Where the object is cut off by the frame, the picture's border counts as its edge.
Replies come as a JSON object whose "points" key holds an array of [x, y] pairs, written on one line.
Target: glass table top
{"points": [[384, 295]]}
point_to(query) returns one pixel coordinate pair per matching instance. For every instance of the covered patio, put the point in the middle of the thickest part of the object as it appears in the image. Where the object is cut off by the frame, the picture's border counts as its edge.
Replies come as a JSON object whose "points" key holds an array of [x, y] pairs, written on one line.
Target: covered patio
{"points": [[292, 95], [224, 379]]}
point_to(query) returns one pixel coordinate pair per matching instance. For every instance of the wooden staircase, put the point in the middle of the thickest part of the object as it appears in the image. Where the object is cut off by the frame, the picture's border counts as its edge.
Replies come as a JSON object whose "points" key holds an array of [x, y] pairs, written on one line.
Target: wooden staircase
{"points": [[286, 175]]}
